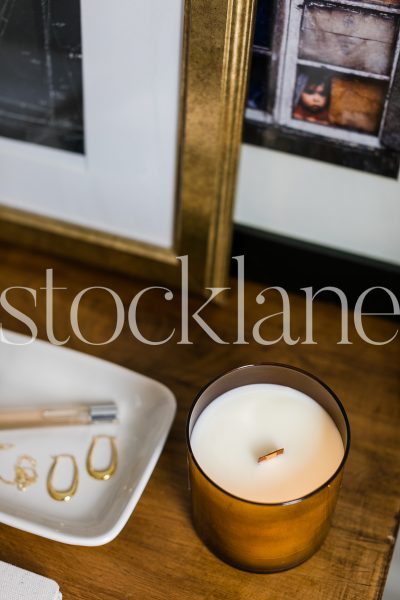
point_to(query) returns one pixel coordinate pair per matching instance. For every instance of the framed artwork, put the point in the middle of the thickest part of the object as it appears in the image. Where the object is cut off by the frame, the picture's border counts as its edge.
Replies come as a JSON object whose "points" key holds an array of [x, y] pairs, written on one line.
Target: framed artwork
{"points": [[325, 81], [120, 130], [41, 73]]}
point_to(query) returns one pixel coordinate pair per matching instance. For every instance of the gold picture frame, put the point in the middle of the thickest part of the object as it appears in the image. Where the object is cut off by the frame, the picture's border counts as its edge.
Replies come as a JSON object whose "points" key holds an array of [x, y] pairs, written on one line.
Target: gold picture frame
{"points": [[217, 43]]}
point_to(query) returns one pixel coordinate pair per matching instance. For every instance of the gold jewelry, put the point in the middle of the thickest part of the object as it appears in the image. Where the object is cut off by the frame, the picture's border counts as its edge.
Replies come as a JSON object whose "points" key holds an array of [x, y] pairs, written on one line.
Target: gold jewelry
{"points": [[65, 495], [25, 474], [6, 446], [109, 472]]}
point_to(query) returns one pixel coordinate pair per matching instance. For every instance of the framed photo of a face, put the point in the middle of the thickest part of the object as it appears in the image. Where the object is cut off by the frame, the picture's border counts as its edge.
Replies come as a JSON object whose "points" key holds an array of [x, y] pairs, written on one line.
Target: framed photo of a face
{"points": [[120, 127], [325, 81]]}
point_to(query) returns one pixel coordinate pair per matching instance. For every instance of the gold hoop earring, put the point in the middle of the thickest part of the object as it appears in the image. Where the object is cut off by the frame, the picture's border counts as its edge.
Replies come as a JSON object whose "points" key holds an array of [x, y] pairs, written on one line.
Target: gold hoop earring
{"points": [[109, 472], [64, 495]]}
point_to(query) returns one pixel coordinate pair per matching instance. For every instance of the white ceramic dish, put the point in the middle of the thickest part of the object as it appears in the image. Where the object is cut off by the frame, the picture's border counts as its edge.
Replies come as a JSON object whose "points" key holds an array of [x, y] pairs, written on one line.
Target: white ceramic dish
{"points": [[40, 373]]}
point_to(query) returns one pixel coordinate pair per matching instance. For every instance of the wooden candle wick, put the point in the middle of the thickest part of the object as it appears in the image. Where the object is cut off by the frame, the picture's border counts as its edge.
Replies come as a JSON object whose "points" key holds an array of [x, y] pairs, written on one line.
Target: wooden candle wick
{"points": [[271, 455]]}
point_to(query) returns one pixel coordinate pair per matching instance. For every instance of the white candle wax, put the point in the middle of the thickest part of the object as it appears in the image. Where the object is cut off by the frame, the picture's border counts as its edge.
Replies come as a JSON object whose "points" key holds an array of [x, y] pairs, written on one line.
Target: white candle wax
{"points": [[250, 421]]}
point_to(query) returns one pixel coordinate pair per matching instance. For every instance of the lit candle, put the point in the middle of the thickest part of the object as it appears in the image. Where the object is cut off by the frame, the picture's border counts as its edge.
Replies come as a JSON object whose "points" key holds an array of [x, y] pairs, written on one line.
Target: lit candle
{"points": [[267, 445], [249, 422]]}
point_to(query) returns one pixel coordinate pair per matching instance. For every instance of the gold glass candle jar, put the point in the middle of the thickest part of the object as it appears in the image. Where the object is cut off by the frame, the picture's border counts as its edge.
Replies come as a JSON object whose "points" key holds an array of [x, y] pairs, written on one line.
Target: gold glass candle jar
{"points": [[257, 534]]}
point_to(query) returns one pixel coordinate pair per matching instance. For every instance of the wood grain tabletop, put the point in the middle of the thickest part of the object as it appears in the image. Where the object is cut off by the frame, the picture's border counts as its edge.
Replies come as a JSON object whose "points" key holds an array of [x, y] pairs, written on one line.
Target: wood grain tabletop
{"points": [[158, 555]]}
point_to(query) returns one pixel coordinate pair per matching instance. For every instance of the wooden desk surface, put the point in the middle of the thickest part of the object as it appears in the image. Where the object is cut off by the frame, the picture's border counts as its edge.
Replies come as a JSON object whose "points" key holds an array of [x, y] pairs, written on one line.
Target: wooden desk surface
{"points": [[158, 555]]}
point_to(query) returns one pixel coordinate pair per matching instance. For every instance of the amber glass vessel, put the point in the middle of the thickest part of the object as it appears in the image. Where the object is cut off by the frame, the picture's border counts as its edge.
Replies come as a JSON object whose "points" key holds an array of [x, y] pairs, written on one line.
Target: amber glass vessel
{"points": [[258, 536]]}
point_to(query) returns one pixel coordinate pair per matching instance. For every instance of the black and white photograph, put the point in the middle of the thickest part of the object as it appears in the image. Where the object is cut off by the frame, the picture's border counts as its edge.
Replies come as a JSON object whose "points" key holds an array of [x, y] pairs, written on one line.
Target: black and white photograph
{"points": [[41, 90]]}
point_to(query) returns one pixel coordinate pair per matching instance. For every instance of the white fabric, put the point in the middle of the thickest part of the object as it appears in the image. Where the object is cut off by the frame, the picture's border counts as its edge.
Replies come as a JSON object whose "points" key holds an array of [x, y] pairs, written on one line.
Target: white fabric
{"points": [[18, 584]]}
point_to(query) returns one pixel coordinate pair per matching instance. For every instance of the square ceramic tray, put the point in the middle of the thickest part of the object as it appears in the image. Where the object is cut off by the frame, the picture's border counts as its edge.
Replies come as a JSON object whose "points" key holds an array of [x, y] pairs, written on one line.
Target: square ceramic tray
{"points": [[42, 374]]}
